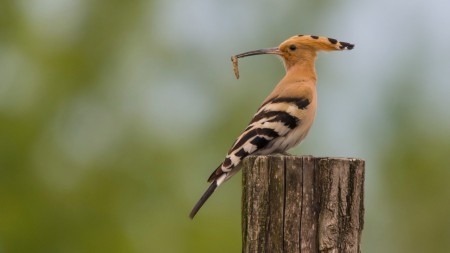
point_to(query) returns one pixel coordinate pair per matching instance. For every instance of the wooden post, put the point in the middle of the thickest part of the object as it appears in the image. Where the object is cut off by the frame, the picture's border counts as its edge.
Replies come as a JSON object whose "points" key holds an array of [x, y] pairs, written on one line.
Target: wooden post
{"points": [[302, 204]]}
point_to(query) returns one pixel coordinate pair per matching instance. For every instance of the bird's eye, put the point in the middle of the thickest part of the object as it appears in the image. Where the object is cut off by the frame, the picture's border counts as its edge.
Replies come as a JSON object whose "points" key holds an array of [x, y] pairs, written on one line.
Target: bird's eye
{"points": [[292, 47]]}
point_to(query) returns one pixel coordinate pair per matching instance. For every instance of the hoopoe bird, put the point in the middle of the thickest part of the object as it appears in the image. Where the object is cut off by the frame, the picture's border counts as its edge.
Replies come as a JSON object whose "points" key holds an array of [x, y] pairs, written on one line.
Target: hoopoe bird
{"points": [[286, 115]]}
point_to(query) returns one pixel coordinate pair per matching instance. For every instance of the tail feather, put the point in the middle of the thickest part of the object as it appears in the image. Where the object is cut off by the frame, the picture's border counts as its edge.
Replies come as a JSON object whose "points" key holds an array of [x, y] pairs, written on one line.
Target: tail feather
{"points": [[216, 174], [203, 199]]}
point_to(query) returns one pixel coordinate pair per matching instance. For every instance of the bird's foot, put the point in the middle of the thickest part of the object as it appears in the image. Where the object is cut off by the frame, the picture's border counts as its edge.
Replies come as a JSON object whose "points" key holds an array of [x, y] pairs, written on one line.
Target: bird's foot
{"points": [[283, 153]]}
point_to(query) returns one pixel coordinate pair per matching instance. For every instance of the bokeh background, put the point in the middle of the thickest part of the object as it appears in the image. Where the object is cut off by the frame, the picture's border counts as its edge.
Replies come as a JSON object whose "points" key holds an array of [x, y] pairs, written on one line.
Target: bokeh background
{"points": [[114, 113]]}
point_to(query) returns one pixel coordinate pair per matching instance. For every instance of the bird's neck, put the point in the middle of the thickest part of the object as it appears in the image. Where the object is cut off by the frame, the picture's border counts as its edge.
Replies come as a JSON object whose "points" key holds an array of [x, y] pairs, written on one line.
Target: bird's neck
{"points": [[302, 69]]}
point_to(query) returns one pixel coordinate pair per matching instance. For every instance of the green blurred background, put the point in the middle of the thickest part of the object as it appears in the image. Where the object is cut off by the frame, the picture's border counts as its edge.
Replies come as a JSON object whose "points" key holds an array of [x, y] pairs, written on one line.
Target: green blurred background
{"points": [[114, 113]]}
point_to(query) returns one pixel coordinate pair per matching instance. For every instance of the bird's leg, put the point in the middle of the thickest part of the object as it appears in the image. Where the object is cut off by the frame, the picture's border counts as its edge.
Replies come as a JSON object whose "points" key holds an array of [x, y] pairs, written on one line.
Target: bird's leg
{"points": [[285, 153]]}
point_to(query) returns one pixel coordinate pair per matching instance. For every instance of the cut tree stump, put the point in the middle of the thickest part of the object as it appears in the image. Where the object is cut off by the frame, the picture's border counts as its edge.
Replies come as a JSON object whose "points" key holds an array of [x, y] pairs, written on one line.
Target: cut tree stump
{"points": [[302, 204]]}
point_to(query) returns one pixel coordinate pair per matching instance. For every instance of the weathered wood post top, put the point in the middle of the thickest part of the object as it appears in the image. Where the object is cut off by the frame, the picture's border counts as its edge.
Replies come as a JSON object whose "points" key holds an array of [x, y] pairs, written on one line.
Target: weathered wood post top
{"points": [[302, 204]]}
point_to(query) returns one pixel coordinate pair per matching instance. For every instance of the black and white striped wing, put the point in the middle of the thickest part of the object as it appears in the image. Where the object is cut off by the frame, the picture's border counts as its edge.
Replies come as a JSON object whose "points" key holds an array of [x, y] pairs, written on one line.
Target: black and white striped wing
{"points": [[266, 132]]}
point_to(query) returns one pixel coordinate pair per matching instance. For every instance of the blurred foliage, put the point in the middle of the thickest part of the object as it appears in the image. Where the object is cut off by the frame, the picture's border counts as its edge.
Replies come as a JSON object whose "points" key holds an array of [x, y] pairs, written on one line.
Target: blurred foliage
{"points": [[113, 114]]}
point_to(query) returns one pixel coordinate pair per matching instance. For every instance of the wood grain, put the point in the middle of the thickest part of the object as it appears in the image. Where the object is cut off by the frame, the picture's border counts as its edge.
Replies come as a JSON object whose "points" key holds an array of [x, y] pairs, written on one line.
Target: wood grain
{"points": [[302, 204]]}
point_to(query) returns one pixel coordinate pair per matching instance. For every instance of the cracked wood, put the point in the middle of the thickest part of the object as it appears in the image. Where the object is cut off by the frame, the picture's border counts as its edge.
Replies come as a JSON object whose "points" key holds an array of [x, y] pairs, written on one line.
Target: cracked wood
{"points": [[302, 204]]}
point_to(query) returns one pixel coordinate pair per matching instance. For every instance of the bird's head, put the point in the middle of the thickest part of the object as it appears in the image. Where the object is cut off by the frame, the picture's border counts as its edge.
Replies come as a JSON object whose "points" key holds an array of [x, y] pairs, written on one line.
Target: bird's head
{"points": [[301, 48]]}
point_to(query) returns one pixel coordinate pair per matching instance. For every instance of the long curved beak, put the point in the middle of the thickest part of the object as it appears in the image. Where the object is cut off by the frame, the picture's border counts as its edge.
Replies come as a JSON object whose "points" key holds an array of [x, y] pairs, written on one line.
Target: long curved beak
{"points": [[273, 50], [234, 59]]}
